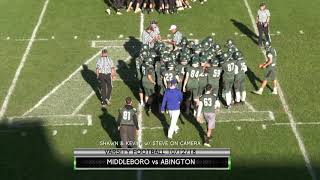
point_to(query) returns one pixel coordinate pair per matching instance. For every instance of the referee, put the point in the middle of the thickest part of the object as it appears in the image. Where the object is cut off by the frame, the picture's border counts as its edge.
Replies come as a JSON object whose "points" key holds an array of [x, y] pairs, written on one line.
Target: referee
{"points": [[105, 73], [147, 38], [262, 20]]}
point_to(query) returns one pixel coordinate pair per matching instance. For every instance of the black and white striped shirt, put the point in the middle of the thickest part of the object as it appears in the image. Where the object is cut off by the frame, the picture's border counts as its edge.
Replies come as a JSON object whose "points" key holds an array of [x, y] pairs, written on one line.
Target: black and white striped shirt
{"points": [[146, 38], [104, 64]]}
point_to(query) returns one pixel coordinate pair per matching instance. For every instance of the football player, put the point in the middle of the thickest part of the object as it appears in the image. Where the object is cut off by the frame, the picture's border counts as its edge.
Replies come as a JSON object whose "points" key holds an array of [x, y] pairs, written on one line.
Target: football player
{"points": [[270, 66], [148, 81], [240, 76], [207, 106], [191, 84], [214, 74], [228, 67]]}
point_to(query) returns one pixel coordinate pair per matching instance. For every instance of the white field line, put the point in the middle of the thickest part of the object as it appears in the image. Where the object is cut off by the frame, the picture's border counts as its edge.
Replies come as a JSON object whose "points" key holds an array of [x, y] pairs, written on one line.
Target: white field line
{"points": [[288, 112], [88, 117], [140, 120], [139, 107], [39, 39], [83, 103], [23, 60], [250, 107], [297, 123], [61, 84], [236, 112]]}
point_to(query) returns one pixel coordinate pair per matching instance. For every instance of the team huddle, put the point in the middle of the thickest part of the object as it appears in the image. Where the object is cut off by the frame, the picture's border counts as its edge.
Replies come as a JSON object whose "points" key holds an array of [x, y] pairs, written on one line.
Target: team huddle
{"points": [[193, 66], [193, 76], [205, 72]]}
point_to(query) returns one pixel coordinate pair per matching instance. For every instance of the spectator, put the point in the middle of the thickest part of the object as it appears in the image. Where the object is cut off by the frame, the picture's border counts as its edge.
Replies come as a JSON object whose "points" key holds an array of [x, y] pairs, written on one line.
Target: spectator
{"points": [[137, 9]]}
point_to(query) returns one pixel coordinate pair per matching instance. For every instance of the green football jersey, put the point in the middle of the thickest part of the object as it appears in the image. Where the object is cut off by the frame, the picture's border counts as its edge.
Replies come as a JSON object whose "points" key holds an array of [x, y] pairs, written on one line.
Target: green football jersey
{"points": [[181, 70], [273, 53], [138, 67], [208, 101], [214, 74], [127, 115], [145, 71], [194, 73], [240, 69], [160, 67], [169, 75], [203, 78], [228, 69]]}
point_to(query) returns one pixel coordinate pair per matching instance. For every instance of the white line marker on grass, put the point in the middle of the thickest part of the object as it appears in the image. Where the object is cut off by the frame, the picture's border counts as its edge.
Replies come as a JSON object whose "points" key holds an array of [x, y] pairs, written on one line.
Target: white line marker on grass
{"points": [[75, 37], [22, 62], [84, 131], [286, 108], [250, 107], [98, 37], [140, 120], [297, 123], [61, 84], [83, 103], [52, 37], [54, 132], [8, 38], [301, 32], [239, 128], [121, 36]]}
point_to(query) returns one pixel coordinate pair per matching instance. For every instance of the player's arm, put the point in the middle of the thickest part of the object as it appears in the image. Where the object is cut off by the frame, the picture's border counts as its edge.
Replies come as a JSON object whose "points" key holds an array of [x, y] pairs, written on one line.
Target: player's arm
{"points": [[178, 78], [135, 120], [269, 61], [119, 119], [164, 81], [149, 76], [185, 81], [98, 69], [199, 110]]}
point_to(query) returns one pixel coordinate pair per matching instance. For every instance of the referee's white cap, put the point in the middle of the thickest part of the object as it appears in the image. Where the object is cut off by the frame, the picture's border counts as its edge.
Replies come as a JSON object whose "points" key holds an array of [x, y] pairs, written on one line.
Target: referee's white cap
{"points": [[172, 27]]}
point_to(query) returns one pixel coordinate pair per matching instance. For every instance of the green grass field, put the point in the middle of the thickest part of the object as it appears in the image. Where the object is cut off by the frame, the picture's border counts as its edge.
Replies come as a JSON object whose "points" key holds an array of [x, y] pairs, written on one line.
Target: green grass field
{"points": [[54, 90]]}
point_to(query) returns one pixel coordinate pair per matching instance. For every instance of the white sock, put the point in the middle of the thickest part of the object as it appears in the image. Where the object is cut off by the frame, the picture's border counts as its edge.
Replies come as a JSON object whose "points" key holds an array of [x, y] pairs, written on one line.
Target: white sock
{"points": [[238, 96], [243, 96], [228, 98], [217, 104], [275, 89], [261, 90]]}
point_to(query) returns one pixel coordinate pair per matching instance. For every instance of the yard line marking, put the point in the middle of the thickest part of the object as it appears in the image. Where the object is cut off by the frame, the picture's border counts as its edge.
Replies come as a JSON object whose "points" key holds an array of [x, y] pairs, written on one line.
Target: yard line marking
{"points": [[298, 123], [83, 103], [250, 107], [288, 112], [23, 60], [140, 120], [40, 39], [61, 84], [88, 122]]}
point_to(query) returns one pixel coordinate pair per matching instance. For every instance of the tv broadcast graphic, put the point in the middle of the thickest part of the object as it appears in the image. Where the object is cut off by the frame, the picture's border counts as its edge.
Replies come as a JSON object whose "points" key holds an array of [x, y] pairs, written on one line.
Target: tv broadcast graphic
{"points": [[159, 90]]}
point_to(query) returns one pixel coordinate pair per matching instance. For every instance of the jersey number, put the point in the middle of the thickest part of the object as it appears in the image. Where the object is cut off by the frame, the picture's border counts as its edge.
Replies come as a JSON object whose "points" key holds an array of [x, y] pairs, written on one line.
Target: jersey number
{"points": [[194, 74], [243, 67], [168, 76], [143, 69], [230, 67], [126, 115], [216, 73], [207, 102]]}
